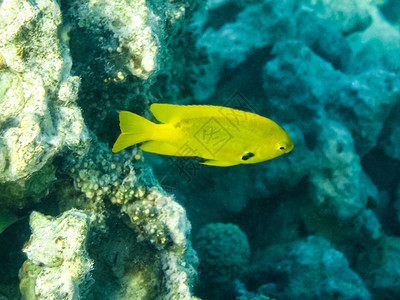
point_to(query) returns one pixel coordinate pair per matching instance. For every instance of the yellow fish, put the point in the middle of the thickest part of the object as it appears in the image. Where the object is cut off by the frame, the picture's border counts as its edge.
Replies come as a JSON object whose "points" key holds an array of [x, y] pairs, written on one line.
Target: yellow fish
{"points": [[221, 135]]}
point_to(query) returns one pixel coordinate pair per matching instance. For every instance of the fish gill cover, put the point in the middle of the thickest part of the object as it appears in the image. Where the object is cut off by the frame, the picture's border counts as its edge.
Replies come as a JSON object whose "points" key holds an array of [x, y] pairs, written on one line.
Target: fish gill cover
{"points": [[80, 222]]}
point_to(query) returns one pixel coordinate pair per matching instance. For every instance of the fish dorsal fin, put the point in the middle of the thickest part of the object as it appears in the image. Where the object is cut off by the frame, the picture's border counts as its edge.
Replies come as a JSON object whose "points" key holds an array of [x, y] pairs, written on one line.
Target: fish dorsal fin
{"points": [[164, 112], [167, 113]]}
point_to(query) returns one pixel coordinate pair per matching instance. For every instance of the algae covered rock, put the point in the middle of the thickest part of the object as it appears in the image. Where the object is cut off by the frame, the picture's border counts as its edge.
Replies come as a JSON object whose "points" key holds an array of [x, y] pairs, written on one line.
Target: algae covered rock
{"points": [[58, 264]]}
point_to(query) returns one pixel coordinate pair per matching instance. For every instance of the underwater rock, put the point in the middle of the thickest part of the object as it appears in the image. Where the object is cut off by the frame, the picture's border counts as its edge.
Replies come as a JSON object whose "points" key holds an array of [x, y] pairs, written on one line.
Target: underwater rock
{"points": [[256, 27], [224, 252], [396, 204], [136, 48], [158, 219], [306, 269], [38, 114], [378, 46], [335, 183], [330, 44], [253, 297], [297, 73], [362, 103], [379, 266], [391, 145], [391, 134], [157, 260], [285, 174], [58, 264], [351, 16]]}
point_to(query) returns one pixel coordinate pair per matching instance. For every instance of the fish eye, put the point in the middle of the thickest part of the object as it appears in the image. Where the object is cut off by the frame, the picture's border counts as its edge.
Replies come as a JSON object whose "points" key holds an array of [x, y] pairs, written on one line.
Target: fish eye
{"points": [[247, 156], [281, 148]]}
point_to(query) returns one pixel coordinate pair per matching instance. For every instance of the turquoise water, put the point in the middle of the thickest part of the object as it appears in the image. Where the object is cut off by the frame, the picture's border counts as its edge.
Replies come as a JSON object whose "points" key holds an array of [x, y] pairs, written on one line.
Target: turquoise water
{"points": [[78, 221]]}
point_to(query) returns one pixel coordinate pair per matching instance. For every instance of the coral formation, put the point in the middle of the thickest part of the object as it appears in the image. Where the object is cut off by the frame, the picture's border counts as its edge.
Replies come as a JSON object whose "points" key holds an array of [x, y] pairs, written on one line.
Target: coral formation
{"points": [[136, 48], [40, 119], [379, 267], [159, 223], [58, 264], [224, 251], [310, 269], [321, 222], [340, 178], [38, 114]]}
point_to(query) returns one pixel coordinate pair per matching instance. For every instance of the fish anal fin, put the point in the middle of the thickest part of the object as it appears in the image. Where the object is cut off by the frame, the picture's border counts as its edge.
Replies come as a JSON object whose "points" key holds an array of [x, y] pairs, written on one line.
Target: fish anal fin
{"points": [[219, 163], [126, 140], [159, 147]]}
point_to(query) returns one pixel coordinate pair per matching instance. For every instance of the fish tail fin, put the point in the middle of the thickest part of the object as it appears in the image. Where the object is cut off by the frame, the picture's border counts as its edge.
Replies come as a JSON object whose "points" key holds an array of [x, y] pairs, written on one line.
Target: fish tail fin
{"points": [[134, 129]]}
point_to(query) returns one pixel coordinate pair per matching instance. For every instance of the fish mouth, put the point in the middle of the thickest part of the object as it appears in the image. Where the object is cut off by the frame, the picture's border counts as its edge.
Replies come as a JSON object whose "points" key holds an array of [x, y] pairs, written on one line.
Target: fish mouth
{"points": [[290, 146], [289, 143]]}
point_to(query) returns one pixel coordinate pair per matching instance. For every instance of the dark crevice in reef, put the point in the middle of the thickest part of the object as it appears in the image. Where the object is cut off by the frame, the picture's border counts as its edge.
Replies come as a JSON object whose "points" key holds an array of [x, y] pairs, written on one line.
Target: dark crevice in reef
{"points": [[385, 173], [221, 15], [244, 80], [383, 170], [391, 10]]}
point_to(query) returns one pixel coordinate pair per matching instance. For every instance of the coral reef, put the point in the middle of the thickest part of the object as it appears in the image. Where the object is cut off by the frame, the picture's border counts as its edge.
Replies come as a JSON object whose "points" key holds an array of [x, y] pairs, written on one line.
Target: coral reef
{"points": [[135, 48], [224, 252], [379, 267], [322, 222], [308, 269], [58, 264], [340, 178], [326, 72], [45, 144], [158, 225], [38, 113]]}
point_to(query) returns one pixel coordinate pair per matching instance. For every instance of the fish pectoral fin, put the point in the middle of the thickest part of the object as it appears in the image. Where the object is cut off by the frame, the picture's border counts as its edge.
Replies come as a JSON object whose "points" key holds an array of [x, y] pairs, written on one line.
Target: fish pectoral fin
{"points": [[159, 147], [219, 163]]}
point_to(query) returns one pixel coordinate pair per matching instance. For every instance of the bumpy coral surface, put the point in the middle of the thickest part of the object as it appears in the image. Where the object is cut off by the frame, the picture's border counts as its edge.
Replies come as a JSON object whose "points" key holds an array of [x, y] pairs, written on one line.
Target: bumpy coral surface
{"points": [[224, 252], [58, 264], [38, 113], [127, 20]]}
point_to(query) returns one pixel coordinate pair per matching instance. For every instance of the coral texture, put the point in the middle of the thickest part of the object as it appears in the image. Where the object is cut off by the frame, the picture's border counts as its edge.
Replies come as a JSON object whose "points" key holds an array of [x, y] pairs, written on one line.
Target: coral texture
{"points": [[58, 264], [38, 114]]}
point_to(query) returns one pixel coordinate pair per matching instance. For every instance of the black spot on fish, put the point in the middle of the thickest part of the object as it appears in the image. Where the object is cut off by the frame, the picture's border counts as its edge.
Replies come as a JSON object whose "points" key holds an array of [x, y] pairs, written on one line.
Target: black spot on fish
{"points": [[247, 156]]}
